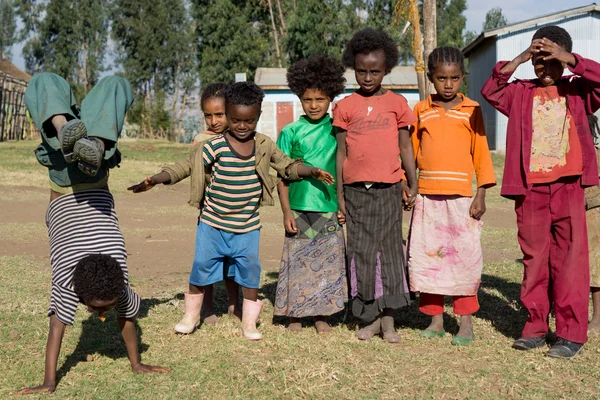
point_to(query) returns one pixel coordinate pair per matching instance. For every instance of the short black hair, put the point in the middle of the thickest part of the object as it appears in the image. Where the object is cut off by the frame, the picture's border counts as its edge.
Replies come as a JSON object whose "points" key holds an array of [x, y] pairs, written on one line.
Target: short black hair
{"points": [[317, 72], [557, 34], [244, 94], [213, 90], [98, 277], [367, 41], [445, 55]]}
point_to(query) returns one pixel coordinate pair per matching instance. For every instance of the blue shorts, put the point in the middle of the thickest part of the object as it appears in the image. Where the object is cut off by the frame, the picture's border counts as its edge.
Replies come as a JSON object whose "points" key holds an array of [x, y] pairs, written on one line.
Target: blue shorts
{"points": [[221, 254]]}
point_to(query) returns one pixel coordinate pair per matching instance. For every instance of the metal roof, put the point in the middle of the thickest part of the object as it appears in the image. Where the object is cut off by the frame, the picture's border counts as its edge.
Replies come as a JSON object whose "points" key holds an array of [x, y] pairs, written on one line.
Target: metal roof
{"points": [[399, 78], [484, 36]]}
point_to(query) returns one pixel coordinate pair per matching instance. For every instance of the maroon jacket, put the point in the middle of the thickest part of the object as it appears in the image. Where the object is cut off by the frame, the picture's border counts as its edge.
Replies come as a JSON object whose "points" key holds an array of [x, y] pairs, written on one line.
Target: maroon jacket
{"points": [[515, 100]]}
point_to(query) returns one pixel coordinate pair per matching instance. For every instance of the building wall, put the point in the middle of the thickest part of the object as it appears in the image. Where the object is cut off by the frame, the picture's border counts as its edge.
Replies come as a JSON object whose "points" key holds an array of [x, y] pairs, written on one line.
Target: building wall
{"points": [[585, 32], [268, 121]]}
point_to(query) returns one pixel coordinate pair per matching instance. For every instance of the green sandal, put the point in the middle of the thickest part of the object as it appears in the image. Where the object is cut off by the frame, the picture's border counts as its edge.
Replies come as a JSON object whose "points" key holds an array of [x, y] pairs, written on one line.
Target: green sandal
{"points": [[430, 334], [462, 341]]}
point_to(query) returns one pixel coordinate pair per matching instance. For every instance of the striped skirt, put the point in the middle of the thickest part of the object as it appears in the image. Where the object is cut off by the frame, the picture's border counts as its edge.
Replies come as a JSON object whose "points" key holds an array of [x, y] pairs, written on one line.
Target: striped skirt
{"points": [[80, 224], [375, 257]]}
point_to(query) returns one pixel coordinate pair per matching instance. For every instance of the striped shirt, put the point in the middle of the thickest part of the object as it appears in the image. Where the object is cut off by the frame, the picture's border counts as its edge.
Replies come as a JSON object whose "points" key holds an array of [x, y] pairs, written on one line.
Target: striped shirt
{"points": [[233, 194]]}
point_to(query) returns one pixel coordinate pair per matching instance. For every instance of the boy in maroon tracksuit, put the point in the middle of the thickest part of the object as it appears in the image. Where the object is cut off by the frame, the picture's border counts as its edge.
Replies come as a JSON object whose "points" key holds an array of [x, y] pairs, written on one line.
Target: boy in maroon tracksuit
{"points": [[550, 157]]}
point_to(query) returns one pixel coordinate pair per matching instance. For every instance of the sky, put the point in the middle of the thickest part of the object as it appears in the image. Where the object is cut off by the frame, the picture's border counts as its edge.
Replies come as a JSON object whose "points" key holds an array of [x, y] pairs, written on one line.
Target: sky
{"points": [[514, 11]]}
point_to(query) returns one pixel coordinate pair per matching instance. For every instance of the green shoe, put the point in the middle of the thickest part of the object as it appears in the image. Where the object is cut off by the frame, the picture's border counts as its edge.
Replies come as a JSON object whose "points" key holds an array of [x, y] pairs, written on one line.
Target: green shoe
{"points": [[430, 334], [462, 341]]}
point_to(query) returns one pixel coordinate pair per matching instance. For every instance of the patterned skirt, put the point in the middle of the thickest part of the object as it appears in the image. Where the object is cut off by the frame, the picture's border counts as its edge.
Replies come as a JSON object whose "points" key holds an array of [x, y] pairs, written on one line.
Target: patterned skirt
{"points": [[80, 224], [444, 247], [312, 276], [593, 226], [376, 262]]}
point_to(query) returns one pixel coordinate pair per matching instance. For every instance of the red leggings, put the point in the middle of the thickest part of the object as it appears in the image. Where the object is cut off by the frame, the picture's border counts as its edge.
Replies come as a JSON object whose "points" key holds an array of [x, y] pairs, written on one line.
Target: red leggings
{"points": [[433, 304]]}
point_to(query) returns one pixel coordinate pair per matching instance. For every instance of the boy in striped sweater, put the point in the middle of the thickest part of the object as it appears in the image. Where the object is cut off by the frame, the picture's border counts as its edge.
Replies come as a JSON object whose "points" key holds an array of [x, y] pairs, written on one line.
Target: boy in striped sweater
{"points": [[230, 180]]}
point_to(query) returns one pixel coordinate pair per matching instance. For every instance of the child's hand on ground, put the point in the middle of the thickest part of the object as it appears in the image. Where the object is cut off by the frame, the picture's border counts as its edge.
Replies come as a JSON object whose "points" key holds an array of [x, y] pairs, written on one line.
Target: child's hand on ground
{"points": [[555, 52], [323, 176], [408, 195], [289, 223], [43, 388], [477, 207], [148, 369], [143, 186]]}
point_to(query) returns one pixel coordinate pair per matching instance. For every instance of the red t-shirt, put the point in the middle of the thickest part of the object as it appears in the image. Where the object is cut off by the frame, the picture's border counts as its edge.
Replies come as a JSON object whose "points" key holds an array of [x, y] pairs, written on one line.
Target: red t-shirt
{"points": [[555, 147], [372, 124]]}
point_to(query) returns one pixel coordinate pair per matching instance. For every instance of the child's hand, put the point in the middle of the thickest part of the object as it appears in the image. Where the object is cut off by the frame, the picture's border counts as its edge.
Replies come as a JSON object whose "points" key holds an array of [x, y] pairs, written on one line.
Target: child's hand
{"points": [[555, 52], [143, 186], [408, 195], [323, 176], [341, 216], [477, 207], [529, 52], [44, 388], [148, 369], [289, 223]]}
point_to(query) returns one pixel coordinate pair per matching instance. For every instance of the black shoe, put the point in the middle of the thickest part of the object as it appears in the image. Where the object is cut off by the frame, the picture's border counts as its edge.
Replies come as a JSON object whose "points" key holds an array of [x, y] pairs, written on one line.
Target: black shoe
{"points": [[529, 343], [90, 152], [565, 349], [73, 131]]}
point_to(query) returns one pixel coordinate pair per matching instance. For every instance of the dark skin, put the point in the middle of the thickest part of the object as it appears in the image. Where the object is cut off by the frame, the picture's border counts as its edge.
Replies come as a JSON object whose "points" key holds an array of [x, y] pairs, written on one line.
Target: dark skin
{"points": [[55, 337], [242, 121]]}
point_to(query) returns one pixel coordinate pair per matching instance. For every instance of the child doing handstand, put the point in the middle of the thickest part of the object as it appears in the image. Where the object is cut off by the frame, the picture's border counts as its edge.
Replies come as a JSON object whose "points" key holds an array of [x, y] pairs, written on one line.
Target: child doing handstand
{"points": [[373, 124], [212, 102], [444, 246], [312, 276], [229, 181], [550, 158]]}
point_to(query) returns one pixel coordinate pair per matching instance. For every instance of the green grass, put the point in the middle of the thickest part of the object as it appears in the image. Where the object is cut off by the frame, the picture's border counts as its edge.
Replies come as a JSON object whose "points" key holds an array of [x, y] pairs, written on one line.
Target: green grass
{"points": [[216, 362]]}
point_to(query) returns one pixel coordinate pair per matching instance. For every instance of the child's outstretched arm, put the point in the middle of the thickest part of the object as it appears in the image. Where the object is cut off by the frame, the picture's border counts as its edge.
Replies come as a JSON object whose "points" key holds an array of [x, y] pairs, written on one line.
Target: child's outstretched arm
{"points": [[409, 193], [150, 182], [129, 334], [317, 173], [339, 169], [289, 222], [55, 337]]}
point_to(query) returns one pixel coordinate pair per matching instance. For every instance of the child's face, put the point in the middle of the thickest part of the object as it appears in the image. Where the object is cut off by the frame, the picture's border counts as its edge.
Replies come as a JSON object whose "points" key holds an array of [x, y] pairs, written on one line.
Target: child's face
{"points": [[242, 120], [101, 306], [369, 70], [214, 114], [315, 103], [446, 79], [548, 72]]}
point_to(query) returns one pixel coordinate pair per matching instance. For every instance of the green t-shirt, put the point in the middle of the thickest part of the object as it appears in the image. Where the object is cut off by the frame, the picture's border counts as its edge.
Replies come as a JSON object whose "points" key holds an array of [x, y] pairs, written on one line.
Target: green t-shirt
{"points": [[315, 144]]}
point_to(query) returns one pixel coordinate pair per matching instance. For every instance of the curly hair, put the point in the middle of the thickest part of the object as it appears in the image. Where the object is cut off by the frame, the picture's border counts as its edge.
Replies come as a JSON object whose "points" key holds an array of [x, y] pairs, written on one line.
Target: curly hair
{"points": [[317, 72], [557, 34], [367, 41], [213, 90], [445, 55], [243, 94], [98, 277]]}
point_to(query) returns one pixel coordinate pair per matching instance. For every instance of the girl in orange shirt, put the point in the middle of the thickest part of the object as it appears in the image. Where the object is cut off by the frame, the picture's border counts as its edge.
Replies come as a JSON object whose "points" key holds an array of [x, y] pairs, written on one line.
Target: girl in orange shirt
{"points": [[444, 249]]}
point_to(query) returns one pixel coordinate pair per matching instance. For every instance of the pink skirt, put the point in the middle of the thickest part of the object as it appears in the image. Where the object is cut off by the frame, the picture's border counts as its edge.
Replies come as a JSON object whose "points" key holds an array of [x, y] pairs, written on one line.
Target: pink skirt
{"points": [[444, 247]]}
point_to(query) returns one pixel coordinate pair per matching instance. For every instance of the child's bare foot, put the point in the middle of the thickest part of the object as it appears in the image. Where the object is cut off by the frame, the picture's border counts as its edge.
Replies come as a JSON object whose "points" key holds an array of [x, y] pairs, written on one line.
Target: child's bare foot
{"points": [[211, 319], [295, 325], [387, 328], [466, 327], [369, 331], [234, 312], [322, 326], [594, 325]]}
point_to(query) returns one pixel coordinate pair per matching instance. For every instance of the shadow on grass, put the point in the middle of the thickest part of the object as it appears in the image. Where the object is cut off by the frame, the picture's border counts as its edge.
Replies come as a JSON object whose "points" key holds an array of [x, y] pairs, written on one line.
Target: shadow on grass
{"points": [[104, 338]]}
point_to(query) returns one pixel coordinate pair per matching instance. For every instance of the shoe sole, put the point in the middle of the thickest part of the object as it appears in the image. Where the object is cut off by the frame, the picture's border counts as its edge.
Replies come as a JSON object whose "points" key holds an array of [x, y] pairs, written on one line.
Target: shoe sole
{"points": [[89, 157], [73, 131]]}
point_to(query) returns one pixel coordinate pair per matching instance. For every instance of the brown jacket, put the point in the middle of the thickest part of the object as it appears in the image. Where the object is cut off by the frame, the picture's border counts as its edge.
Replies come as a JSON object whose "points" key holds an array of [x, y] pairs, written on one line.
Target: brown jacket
{"points": [[267, 155]]}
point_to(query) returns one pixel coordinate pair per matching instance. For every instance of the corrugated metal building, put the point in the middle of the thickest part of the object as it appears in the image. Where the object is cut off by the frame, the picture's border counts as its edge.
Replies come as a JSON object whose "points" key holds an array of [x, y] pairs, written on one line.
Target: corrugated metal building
{"points": [[281, 107], [582, 23]]}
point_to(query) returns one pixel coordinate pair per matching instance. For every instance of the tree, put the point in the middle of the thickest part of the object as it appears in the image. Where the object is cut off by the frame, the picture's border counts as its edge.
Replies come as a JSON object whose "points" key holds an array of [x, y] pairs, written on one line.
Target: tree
{"points": [[451, 22], [8, 28], [430, 37], [494, 19]]}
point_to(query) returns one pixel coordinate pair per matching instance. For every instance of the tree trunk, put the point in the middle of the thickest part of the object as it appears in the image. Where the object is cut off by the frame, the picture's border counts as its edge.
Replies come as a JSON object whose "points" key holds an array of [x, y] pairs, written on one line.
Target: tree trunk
{"points": [[281, 19], [417, 47], [275, 34], [430, 37]]}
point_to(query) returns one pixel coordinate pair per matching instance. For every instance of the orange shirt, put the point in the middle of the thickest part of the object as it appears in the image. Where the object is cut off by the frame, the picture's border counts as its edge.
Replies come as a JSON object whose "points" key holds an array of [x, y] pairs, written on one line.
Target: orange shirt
{"points": [[372, 123], [449, 146], [555, 147]]}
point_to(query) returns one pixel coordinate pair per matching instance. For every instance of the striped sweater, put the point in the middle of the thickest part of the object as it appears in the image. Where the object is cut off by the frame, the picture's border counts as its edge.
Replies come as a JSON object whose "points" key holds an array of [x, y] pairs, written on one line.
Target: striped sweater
{"points": [[234, 192]]}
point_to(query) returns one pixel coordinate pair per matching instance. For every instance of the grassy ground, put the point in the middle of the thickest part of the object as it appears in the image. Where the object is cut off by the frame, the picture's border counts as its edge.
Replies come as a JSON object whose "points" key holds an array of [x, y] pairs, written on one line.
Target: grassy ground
{"points": [[216, 362]]}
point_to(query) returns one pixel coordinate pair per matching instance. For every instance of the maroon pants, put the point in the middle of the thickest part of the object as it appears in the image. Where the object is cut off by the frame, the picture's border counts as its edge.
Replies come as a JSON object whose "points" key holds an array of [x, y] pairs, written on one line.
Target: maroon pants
{"points": [[553, 238]]}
